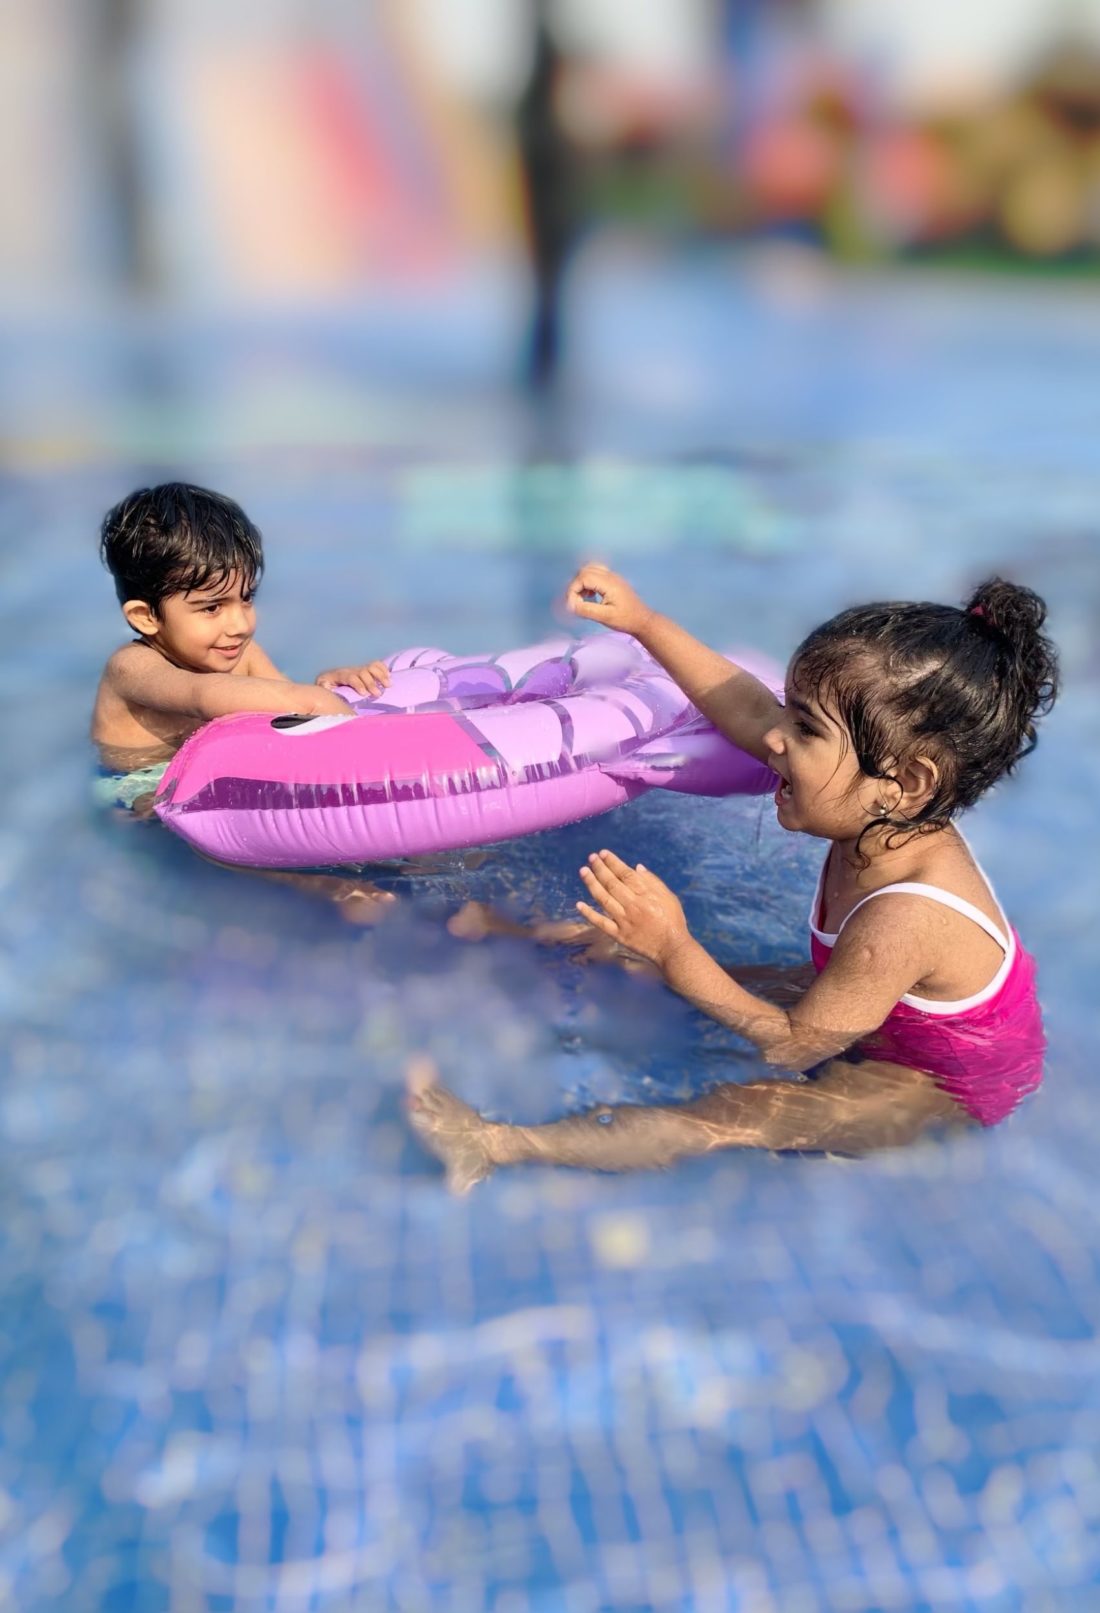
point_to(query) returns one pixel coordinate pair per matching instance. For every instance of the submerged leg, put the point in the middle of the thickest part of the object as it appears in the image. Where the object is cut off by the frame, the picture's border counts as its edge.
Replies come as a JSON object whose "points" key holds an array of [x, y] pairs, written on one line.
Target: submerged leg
{"points": [[850, 1109], [359, 901], [476, 920]]}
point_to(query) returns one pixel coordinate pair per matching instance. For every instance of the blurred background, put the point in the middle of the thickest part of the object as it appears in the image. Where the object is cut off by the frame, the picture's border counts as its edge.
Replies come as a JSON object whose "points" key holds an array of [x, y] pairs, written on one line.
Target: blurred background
{"points": [[777, 306], [452, 186], [303, 152]]}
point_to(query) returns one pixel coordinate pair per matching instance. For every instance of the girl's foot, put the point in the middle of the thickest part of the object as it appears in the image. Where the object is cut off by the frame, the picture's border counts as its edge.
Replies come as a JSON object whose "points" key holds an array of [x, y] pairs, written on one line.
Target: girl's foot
{"points": [[448, 1128], [364, 904], [475, 920]]}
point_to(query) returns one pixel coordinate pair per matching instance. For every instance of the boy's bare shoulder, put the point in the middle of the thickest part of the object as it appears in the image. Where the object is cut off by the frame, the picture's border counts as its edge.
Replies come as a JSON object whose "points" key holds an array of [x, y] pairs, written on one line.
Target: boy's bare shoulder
{"points": [[256, 663], [126, 660], [137, 676]]}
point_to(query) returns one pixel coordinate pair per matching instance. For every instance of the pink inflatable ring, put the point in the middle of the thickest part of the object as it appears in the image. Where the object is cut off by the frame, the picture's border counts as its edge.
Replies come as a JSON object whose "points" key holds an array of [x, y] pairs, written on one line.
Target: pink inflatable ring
{"points": [[459, 751]]}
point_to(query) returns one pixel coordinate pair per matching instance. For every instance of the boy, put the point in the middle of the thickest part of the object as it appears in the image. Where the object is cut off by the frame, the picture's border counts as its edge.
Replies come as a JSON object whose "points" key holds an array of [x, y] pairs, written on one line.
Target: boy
{"points": [[186, 563]]}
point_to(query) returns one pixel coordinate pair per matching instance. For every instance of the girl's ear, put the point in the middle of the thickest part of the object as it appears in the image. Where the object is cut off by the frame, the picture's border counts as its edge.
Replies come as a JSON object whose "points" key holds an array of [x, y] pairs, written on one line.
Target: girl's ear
{"points": [[141, 617], [918, 779]]}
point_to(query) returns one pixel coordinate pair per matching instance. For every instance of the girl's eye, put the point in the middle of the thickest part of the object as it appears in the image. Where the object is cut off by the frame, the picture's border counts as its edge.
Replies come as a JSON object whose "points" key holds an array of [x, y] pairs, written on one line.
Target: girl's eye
{"points": [[804, 729]]}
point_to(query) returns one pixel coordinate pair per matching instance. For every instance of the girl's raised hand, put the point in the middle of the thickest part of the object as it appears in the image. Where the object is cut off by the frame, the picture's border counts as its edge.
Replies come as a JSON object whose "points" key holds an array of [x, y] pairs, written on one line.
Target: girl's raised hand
{"points": [[618, 607], [370, 679], [638, 909]]}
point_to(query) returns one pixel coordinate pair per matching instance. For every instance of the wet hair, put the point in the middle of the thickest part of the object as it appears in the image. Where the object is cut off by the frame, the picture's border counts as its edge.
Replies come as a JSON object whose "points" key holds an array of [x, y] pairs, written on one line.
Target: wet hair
{"points": [[174, 538], [961, 686]]}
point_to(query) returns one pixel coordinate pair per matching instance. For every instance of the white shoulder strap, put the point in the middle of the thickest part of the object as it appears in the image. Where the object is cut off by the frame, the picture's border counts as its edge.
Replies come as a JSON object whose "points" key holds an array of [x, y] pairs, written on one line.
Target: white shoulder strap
{"points": [[948, 899]]}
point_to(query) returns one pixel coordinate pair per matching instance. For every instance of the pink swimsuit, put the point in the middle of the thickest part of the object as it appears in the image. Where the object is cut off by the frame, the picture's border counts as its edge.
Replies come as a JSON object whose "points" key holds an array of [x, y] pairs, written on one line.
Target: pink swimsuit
{"points": [[986, 1051]]}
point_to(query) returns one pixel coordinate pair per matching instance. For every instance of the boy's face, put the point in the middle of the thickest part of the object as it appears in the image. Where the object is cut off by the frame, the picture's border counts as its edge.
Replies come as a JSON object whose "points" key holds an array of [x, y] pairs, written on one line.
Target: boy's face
{"points": [[205, 630]]}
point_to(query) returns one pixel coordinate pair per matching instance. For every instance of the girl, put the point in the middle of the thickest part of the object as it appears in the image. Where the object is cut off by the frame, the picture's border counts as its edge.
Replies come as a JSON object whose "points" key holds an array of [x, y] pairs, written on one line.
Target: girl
{"points": [[920, 1010]]}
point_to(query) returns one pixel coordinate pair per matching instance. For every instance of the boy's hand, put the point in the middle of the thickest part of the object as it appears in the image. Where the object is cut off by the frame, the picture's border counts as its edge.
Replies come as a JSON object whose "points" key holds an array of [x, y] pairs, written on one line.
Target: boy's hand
{"points": [[370, 679], [320, 702], [619, 607], [639, 910]]}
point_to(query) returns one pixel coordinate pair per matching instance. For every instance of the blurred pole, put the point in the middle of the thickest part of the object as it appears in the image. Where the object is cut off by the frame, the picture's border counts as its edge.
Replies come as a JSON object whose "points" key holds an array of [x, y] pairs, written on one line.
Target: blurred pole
{"points": [[549, 179], [112, 33]]}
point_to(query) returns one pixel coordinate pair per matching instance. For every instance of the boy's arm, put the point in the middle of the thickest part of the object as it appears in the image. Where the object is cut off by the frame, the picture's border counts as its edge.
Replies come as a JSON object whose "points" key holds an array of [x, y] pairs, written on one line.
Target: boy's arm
{"points": [[260, 665], [144, 679], [738, 705]]}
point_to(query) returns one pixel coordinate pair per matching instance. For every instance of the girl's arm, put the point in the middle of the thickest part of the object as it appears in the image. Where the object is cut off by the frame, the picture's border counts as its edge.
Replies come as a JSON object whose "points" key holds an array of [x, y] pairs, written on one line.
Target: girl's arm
{"points": [[739, 705], [776, 983], [144, 679], [879, 956]]}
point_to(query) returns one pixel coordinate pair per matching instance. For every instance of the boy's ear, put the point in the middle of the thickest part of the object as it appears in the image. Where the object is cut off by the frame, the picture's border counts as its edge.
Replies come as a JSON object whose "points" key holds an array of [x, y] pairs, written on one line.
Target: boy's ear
{"points": [[141, 617]]}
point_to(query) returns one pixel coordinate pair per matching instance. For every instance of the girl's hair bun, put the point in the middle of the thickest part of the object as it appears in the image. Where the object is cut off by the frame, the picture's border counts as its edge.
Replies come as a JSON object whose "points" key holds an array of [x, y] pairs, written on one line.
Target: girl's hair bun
{"points": [[1017, 614]]}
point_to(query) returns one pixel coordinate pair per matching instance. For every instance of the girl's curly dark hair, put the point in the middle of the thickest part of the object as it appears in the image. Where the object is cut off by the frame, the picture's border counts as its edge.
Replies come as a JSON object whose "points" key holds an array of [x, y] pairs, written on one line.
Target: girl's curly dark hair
{"points": [[961, 686]]}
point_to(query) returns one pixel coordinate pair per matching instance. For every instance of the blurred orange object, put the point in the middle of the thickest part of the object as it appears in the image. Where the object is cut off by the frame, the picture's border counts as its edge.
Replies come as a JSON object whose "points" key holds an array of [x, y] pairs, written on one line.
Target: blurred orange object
{"points": [[790, 167], [914, 187]]}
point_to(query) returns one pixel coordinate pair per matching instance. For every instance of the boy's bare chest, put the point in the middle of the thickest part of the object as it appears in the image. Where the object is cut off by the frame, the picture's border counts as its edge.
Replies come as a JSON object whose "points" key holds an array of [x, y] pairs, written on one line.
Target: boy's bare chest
{"points": [[131, 736]]}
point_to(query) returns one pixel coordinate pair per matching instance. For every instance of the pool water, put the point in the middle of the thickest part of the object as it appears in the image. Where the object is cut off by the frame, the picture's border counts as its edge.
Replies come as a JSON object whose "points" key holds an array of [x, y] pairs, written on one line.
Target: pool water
{"points": [[252, 1356]]}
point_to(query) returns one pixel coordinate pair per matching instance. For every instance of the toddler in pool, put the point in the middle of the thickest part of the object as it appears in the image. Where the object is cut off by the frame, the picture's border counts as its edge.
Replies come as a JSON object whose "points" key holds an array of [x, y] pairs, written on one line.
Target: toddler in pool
{"points": [[919, 1009], [186, 565]]}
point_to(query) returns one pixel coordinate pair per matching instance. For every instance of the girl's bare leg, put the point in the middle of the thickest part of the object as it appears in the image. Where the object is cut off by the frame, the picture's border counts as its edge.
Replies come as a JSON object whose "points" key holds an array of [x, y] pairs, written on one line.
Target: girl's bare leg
{"points": [[849, 1109]]}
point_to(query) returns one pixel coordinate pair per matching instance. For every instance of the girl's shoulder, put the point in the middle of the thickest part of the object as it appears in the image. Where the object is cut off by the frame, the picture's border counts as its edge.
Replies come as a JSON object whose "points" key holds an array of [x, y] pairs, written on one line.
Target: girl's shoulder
{"points": [[946, 863], [940, 873], [947, 907]]}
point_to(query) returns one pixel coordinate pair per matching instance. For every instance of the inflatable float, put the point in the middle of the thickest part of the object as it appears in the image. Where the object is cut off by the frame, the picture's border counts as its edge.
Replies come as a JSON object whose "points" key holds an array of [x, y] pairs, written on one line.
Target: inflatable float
{"points": [[459, 751]]}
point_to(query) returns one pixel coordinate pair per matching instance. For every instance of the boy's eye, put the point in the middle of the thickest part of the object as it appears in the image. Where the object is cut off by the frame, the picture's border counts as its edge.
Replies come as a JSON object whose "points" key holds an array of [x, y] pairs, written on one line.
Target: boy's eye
{"points": [[209, 610]]}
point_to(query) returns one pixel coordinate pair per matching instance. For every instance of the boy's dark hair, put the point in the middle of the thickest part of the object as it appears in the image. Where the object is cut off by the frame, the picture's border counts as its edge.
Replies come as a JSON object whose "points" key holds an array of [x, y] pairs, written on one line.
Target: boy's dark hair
{"points": [[963, 687], [174, 538]]}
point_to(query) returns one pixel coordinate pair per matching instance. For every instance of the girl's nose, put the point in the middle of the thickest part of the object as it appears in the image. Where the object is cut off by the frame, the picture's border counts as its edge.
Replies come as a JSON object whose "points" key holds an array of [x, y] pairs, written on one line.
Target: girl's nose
{"points": [[773, 739]]}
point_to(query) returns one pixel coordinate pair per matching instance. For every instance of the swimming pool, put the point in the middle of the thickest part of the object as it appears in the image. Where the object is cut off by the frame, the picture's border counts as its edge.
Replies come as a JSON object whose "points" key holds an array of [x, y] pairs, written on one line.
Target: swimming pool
{"points": [[251, 1356]]}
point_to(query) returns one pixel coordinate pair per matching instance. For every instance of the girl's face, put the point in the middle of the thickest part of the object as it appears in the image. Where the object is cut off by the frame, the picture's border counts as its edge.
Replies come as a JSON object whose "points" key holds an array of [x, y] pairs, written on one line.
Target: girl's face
{"points": [[822, 791]]}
